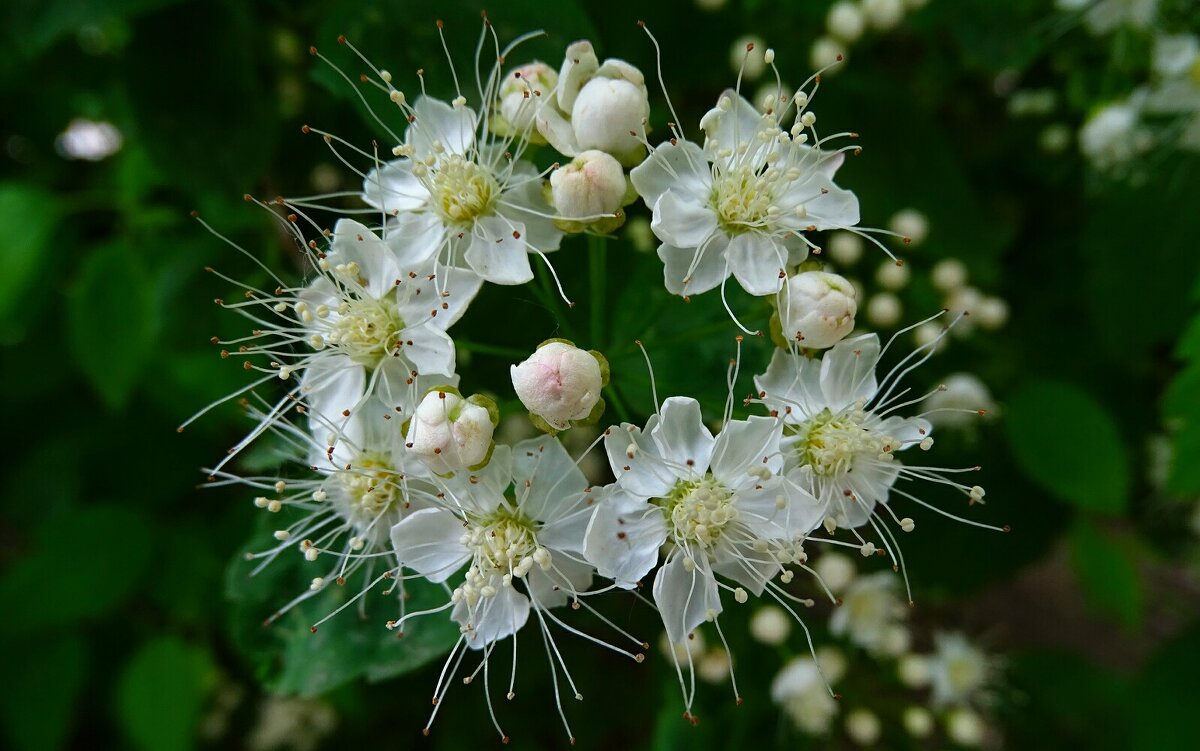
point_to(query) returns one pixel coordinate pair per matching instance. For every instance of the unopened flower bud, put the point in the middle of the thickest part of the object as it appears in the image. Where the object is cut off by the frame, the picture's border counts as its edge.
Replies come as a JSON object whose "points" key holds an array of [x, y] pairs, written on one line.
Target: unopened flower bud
{"points": [[607, 110], [524, 92], [450, 433], [816, 309], [560, 383], [589, 192]]}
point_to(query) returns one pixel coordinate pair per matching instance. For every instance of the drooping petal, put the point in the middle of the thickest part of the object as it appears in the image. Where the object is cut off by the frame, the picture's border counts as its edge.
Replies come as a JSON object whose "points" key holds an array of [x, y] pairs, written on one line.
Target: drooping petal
{"points": [[848, 371], [624, 536], [557, 130], [685, 593], [758, 262], [691, 271], [636, 462], [682, 220], [682, 438], [492, 618], [680, 166], [745, 449], [429, 349], [428, 542], [497, 253], [562, 582]]}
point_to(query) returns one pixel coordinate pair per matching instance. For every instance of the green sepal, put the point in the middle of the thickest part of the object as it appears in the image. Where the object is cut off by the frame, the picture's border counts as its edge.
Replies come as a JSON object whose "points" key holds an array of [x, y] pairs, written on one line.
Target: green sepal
{"points": [[593, 416], [542, 425], [443, 389], [602, 361], [486, 458], [493, 410], [567, 342], [775, 328]]}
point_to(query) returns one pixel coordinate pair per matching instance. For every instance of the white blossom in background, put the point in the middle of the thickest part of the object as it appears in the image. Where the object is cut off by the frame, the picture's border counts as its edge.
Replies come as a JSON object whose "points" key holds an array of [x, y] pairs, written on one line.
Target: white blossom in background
{"points": [[836, 570], [883, 15], [892, 276], [911, 224], [845, 248], [826, 52], [816, 309], [747, 56], [914, 671], [863, 726], [884, 310], [1113, 135], [949, 274], [958, 404], [742, 203], [845, 21], [561, 383], [802, 690], [1175, 54], [870, 610], [1105, 16], [917, 721], [597, 106], [449, 433], [770, 625], [958, 670]]}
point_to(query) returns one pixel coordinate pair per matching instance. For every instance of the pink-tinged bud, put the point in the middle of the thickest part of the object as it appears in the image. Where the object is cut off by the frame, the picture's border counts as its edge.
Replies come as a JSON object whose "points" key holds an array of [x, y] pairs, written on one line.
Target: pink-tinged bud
{"points": [[449, 433], [559, 383]]}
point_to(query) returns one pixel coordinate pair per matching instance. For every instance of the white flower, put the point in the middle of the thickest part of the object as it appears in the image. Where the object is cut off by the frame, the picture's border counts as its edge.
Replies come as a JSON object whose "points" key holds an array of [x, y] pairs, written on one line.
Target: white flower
{"points": [[863, 727], [960, 401], [845, 21], [958, 670], [844, 248], [713, 500], [560, 383], [949, 274], [742, 203], [747, 55], [770, 625], [449, 433], [1112, 135], [1106, 15], [713, 666], [911, 224], [525, 91], [841, 436], [835, 570], [522, 549], [914, 671], [869, 610], [802, 690], [883, 15], [884, 309], [371, 325], [461, 196], [917, 721], [965, 727], [589, 192], [992, 313], [816, 309], [826, 52], [891, 275], [1175, 54], [597, 107]]}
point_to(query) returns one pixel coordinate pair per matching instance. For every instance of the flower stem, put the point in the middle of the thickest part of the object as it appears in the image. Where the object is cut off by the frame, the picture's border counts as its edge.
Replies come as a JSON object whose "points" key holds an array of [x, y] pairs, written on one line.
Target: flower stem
{"points": [[597, 256]]}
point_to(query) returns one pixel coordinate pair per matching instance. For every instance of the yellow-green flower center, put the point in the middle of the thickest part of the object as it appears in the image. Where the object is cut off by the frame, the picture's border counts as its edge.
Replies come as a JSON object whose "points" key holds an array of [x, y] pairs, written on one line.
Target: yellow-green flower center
{"points": [[742, 199], [698, 510], [462, 190], [366, 329], [830, 443], [371, 485]]}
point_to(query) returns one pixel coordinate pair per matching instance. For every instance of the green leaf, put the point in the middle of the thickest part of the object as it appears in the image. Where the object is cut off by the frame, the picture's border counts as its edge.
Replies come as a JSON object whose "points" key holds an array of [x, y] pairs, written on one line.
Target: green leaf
{"points": [[1069, 444], [293, 659], [161, 693], [50, 677], [1107, 573], [33, 214], [1163, 701], [82, 565], [110, 318]]}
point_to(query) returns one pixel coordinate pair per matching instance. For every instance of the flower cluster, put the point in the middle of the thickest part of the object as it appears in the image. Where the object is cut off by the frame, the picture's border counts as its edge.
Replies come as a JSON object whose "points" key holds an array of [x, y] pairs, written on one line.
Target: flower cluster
{"points": [[397, 475]]}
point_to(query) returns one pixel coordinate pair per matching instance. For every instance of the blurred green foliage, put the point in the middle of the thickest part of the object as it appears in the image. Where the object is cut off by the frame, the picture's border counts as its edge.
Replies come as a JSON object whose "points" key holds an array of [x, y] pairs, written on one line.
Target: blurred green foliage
{"points": [[125, 627]]}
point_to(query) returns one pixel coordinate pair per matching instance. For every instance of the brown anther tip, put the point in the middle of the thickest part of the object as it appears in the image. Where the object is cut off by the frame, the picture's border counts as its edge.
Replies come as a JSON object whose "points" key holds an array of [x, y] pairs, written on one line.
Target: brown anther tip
{"points": [[247, 197], [341, 38], [341, 581], [907, 241], [837, 696], [313, 629], [750, 46], [194, 214], [363, 77], [738, 701], [571, 305], [1006, 528], [503, 739], [312, 51], [900, 261], [425, 731], [641, 24]]}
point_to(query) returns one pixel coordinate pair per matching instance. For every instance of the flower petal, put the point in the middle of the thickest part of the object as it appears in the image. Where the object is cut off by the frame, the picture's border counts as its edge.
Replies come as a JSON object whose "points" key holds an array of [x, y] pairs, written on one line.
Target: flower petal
{"points": [[427, 541], [393, 187], [682, 437], [683, 220], [434, 121], [744, 448], [624, 536], [681, 166], [848, 371], [636, 462], [355, 243], [415, 238], [497, 253], [758, 262], [683, 274], [549, 485], [685, 594], [792, 385], [492, 618], [563, 581], [429, 349]]}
